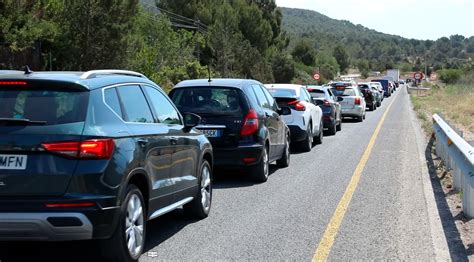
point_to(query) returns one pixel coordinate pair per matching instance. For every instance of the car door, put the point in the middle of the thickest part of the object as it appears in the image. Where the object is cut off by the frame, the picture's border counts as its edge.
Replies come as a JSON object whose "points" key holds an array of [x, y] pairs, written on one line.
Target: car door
{"points": [[270, 120], [281, 136], [312, 110], [182, 145], [152, 146]]}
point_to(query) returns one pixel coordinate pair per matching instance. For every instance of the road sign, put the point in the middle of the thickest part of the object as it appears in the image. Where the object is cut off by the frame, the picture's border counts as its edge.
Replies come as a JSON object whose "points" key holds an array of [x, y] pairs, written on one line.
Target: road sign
{"points": [[418, 76], [317, 76]]}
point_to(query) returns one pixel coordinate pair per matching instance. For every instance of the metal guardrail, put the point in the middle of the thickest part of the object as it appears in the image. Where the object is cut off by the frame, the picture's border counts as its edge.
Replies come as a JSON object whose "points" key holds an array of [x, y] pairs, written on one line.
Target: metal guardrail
{"points": [[458, 156]]}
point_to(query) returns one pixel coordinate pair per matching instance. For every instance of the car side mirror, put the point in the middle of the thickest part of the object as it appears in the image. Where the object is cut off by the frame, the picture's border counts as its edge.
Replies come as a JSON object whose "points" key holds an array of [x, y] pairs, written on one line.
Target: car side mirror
{"points": [[191, 120], [284, 111], [339, 99]]}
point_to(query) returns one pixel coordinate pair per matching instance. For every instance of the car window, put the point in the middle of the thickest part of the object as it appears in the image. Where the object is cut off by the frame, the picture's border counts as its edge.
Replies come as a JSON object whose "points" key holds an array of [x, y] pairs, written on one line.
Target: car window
{"points": [[112, 100], [209, 100], [270, 98], [262, 99], [165, 111], [304, 95], [333, 97], [315, 93], [340, 91], [282, 92], [135, 106], [52, 106]]}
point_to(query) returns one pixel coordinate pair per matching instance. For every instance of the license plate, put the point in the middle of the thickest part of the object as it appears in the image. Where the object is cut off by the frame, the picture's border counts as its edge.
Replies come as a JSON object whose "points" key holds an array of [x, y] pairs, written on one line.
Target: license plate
{"points": [[13, 162], [211, 132]]}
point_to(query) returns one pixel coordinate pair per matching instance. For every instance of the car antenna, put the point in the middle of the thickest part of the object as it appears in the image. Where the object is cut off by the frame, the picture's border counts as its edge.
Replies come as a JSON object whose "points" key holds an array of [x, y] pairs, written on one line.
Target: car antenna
{"points": [[27, 70], [209, 73]]}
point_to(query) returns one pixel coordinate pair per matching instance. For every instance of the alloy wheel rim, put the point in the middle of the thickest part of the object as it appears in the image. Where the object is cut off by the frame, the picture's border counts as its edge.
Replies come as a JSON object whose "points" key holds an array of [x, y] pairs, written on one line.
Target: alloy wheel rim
{"points": [[206, 188], [134, 222]]}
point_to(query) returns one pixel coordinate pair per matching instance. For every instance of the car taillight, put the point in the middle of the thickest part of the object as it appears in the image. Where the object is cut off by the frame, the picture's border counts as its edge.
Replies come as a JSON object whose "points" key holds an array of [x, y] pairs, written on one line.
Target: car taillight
{"points": [[357, 100], [250, 123], [89, 149], [299, 106], [9, 83], [326, 103]]}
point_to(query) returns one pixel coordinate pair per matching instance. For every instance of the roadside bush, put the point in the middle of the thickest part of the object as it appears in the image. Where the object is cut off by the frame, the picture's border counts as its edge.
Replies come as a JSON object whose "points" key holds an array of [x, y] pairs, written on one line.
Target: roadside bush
{"points": [[450, 76]]}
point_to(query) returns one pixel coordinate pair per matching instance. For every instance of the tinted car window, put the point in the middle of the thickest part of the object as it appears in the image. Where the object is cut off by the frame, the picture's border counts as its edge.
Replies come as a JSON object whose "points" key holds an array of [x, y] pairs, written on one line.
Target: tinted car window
{"points": [[344, 92], [136, 108], [52, 106], [304, 95], [262, 99], [206, 100], [165, 111], [112, 100]]}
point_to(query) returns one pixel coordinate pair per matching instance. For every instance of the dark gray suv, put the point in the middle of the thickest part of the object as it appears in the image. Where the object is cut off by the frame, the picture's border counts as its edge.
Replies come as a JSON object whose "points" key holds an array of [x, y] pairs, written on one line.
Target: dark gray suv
{"points": [[95, 155]]}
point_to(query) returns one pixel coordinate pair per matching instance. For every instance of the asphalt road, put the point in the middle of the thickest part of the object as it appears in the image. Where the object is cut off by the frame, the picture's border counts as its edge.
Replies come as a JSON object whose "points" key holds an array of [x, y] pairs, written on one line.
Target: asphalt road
{"points": [[286, 217]]}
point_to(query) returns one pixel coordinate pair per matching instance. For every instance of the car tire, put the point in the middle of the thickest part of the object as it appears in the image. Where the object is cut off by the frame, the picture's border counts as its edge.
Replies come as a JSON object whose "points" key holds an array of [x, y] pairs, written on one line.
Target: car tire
{"points": [[307, 144], [284, 161], [260, 171], [360, 118], [339, 127], [319, 138], [129, 226], [200, 206], [332, 129]]}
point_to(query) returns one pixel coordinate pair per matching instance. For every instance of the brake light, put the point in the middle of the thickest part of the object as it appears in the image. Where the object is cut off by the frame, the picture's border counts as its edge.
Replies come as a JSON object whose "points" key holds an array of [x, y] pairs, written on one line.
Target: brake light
{"points": [[357, 100], [310, 89], [89, 149], [326, 103], [8, 83], [299, 106], [250, 123], [69, 205]]}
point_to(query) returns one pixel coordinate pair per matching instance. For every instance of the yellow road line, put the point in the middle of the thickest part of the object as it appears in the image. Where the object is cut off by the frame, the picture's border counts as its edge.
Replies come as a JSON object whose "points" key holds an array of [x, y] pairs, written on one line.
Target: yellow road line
{"points": [[324, 247]]}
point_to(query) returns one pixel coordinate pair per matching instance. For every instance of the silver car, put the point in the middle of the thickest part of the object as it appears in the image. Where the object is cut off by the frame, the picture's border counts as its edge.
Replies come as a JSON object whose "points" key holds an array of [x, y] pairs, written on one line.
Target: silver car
{"points": [[353, 102]]}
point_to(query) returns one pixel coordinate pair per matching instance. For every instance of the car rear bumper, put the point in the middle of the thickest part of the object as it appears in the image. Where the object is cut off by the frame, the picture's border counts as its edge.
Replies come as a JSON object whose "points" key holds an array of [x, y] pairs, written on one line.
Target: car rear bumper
{"points": [[45, 227], [328, 121], [351, 112], [233, 157]]}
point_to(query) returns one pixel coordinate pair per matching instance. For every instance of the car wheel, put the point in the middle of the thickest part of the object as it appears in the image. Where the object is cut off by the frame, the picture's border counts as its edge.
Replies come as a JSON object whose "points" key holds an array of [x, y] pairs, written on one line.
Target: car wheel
{"points": [[200, 206], [128, 240], [307, 143], [339, 127], [261, 171], [284, 161], [319, 138], [332, 129], [360, 118]]}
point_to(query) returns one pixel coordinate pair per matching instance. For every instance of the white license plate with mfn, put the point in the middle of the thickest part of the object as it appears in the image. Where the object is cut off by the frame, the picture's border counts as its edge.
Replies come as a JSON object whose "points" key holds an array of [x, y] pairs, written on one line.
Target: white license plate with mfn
{"points": [[211, 132], [13, 162]]}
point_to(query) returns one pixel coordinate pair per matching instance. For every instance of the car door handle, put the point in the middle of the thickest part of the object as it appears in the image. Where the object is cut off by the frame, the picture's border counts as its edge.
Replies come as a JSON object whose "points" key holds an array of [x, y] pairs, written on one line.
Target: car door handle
{"points": [[173, 140]]}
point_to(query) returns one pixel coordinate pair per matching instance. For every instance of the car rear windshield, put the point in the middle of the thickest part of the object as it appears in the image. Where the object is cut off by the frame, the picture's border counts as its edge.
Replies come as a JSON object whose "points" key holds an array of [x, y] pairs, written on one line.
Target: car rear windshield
{"points": [[338, 91], [210, 101], [48, 106], [364, 86], [282, 93], [317, 93]]}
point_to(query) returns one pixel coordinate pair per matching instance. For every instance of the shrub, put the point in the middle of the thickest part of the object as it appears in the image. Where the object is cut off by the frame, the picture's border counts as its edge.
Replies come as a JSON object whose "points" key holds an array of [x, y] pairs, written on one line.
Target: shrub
{"points": [[450, 76]]}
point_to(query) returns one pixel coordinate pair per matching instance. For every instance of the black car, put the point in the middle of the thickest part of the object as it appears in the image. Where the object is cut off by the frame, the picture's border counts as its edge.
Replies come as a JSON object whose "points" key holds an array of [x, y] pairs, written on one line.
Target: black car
{"points": [[329, 103], [242, 121], [95, 155], [370, 99]]}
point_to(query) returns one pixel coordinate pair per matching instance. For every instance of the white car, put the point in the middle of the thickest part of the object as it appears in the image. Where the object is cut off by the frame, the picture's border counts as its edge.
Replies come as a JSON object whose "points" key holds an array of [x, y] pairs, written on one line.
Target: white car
{"points": [[353, 102], [305, 121]]}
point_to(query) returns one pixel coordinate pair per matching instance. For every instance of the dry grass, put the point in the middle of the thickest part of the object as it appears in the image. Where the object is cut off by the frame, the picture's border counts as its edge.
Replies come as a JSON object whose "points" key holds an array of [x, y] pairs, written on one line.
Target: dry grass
{"points": [[454, 102]]}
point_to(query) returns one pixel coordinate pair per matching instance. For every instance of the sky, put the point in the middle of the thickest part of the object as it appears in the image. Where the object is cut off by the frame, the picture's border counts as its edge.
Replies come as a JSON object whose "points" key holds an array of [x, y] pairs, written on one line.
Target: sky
{"points": [[419, 19]]}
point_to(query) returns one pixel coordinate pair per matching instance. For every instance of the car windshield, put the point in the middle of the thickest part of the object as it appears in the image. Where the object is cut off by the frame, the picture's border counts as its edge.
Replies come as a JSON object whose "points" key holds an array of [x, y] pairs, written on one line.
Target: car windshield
{"points": [[282, 93], [205, 100], [51, 107], [338, 91]]}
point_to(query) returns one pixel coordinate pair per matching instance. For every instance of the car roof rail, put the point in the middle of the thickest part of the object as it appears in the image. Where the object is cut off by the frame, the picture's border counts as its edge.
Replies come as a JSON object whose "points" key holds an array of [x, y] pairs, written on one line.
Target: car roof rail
{"points": [[93, 73]]}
